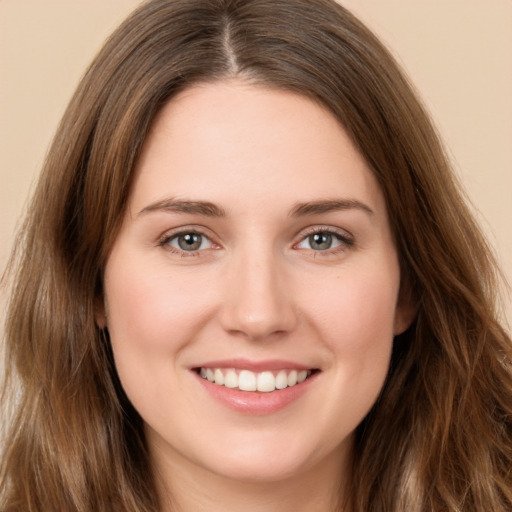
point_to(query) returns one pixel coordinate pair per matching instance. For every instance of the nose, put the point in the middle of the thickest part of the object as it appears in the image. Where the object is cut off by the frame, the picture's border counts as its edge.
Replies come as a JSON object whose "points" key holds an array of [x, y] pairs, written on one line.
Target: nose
{"points": [[258, 302]]}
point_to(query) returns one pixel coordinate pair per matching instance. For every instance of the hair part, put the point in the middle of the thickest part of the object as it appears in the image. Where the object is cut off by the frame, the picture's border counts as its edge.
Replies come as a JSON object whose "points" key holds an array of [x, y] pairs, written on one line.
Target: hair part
{"points": [[440, 436]]}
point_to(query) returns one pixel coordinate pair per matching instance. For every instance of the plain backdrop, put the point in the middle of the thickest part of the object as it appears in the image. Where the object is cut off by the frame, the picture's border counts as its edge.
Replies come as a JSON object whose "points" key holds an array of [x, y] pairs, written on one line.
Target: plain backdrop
{"points": [[458, 53]]}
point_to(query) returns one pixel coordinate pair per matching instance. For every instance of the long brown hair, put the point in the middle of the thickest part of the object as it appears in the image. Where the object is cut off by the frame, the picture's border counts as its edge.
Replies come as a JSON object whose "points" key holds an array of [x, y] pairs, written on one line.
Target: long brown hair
{"points": [[440, 436]]}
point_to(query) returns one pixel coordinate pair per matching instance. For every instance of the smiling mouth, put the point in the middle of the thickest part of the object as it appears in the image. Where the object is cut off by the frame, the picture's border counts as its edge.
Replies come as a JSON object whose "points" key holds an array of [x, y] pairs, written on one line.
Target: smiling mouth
{"points": [[246, 380]]}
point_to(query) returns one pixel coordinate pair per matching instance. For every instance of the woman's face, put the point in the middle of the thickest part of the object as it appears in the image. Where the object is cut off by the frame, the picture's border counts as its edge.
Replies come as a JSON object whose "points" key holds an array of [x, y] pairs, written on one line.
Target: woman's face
{"points": [[256, 251]]}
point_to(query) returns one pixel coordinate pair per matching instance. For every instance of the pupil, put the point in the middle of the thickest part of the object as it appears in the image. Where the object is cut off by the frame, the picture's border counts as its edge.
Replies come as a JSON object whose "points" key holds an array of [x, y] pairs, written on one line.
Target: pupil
{"points": [[190, 242], [321, 241]]}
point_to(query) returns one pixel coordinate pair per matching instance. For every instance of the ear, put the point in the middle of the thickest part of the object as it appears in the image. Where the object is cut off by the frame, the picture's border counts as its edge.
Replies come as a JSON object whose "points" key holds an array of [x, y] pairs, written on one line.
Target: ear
{"points": [[404, 316], [406, 310], [100, 313]]}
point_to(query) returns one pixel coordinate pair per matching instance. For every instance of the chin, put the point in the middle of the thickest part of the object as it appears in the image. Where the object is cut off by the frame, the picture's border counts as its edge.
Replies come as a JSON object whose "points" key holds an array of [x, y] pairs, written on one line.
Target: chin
{"points": [[258, 470], [269, 459]]}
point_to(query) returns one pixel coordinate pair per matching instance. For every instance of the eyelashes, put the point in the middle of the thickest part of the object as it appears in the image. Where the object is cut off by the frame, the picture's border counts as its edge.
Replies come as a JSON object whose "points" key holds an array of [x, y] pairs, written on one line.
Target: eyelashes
{"points": [[319, 240], [186, 242], [325, 239], [189, 241]]}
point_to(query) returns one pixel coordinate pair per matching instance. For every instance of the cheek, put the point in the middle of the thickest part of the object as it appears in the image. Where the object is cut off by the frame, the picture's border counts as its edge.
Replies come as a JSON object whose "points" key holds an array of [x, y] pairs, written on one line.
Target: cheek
{"points": [[352, 317], [151, 313], [355, 318], [357, 306]]}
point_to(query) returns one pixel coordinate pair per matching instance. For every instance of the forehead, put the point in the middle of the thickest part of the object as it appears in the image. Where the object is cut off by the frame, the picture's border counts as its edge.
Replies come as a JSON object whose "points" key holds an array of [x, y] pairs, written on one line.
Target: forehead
{"points": [[228, 140]]}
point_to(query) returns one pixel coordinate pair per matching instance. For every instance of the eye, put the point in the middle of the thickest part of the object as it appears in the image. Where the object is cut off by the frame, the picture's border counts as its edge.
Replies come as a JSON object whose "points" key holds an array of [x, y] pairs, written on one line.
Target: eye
{"points": [[324, 240], [189, 241]]}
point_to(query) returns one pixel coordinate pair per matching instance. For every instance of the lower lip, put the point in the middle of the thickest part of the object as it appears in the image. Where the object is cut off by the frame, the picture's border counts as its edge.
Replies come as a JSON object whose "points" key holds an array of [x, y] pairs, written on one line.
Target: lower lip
{"points": [[254, 402]]}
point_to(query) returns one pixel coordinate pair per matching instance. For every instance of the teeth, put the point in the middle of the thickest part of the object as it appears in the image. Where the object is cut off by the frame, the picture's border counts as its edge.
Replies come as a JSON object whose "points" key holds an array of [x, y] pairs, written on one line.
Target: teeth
{"points": [[281, 380], [219, 377], [231, 379], [246, 380], [266, 382], [292, 378]]}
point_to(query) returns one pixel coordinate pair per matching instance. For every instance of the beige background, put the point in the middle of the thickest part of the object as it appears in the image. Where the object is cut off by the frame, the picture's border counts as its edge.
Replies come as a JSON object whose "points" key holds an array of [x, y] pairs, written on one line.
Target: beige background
{"points": [[457, 52]]}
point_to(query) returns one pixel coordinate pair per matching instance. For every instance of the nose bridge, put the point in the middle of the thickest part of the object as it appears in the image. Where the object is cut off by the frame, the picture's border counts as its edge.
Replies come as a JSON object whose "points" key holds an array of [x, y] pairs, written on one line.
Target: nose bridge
{"points": [[259, 302]]}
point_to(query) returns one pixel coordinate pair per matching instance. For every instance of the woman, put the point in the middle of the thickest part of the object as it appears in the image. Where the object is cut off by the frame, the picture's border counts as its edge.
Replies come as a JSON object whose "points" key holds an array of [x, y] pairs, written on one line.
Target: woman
{"points": [[248, 280]]}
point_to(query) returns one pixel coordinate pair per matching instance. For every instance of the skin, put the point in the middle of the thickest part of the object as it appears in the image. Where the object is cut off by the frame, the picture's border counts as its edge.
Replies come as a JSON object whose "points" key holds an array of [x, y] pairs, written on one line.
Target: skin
{"points": [[258, 289]]}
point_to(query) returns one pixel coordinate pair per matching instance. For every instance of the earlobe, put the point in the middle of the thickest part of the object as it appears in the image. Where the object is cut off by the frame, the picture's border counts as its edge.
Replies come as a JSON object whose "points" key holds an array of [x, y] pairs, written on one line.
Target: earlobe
{"points": [[100, 315], [406, 309], [404, 316]]}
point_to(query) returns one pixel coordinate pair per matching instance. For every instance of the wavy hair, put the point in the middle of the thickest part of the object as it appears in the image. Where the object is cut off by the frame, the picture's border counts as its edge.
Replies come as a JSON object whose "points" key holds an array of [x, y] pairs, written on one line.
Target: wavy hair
{"points": [[440, 436]]}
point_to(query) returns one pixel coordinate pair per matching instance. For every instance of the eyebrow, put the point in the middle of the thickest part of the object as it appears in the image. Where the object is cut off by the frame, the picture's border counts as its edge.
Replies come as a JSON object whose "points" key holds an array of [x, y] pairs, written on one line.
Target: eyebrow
{"points": [[330, 205], [209, 209], [183, 206]]}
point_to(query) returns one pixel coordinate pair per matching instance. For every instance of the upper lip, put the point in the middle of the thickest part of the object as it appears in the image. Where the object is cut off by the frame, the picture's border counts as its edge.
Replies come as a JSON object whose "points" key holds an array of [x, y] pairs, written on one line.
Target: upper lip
{"points": [[254, 366]]}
